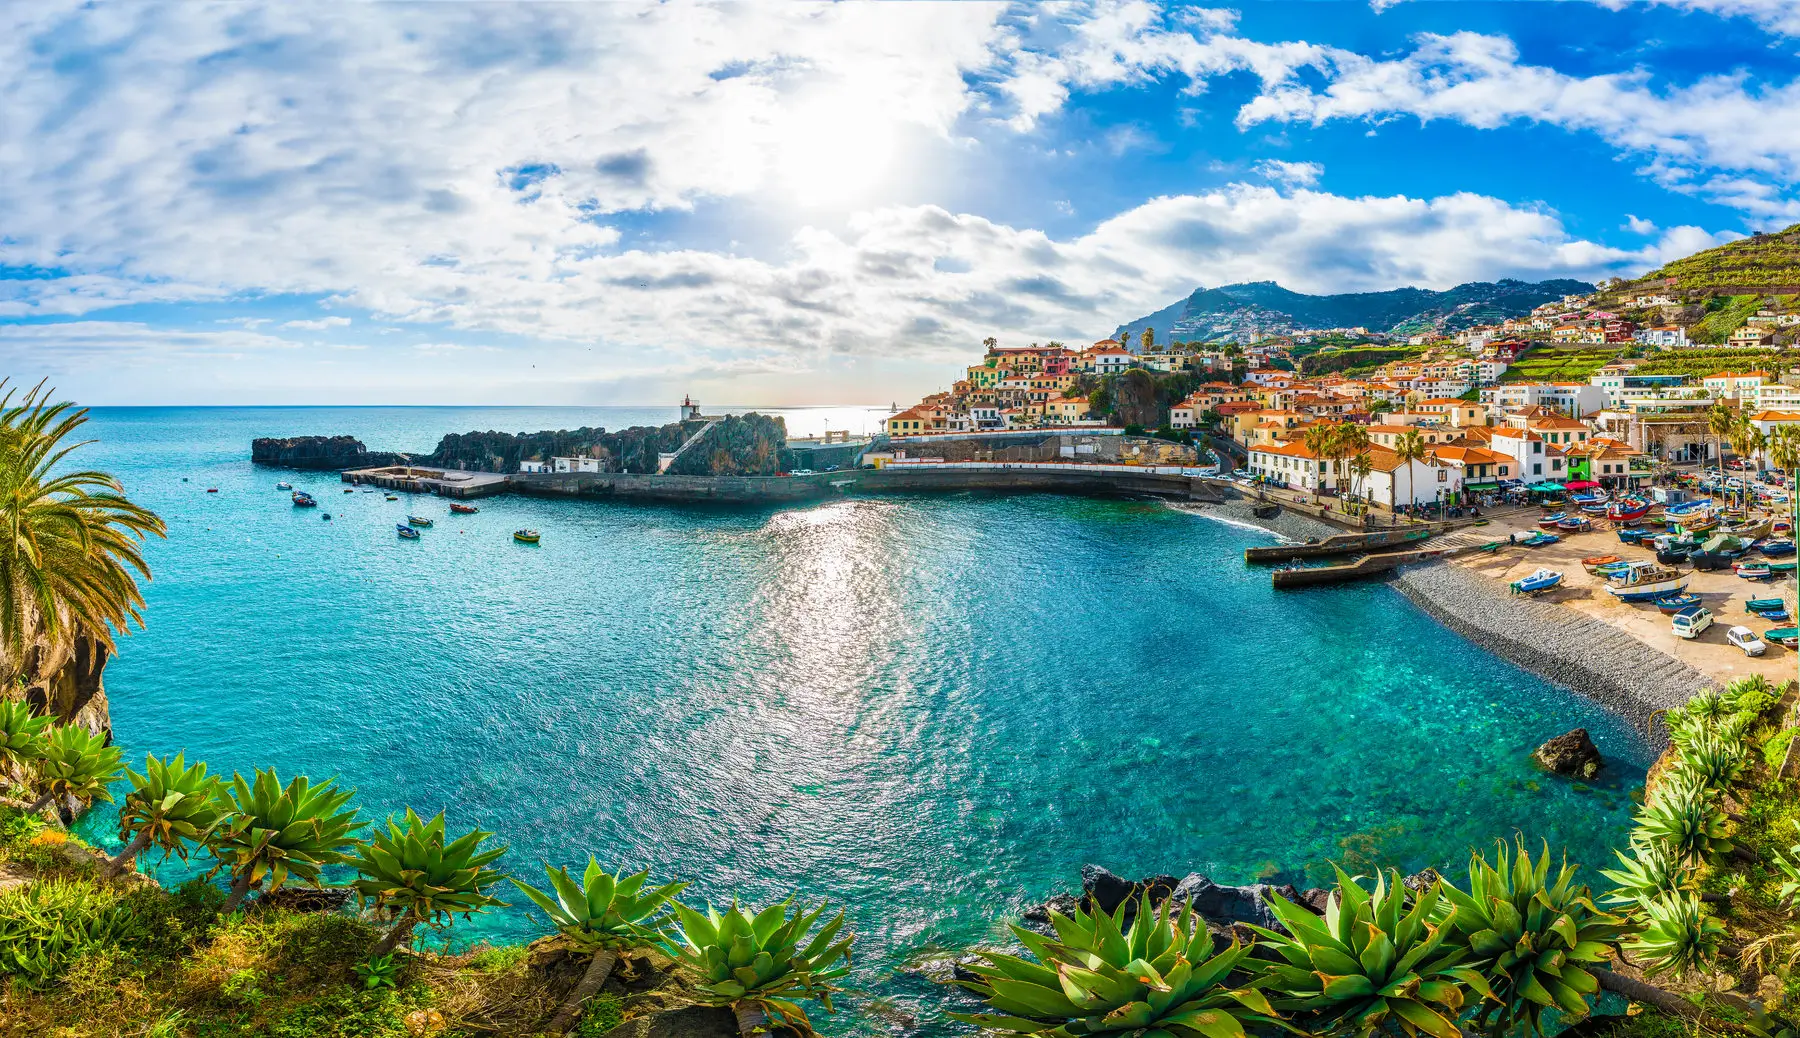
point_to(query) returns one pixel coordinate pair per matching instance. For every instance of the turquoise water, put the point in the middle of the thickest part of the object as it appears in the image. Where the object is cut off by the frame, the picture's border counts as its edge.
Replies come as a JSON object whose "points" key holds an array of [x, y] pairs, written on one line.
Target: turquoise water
{"points": [[932, 710]]}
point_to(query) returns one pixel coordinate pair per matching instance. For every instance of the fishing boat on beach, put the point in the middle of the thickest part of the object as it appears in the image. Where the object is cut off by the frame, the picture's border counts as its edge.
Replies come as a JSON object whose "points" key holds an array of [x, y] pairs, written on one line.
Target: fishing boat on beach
{"points": [[1542, 580], [1753, 570], [525, 536], [1595, 562], [1633, 534], [1539, 540], [1776, 549], [406, 533], [1550, 521], [1786, 637], [1675, 603], [1646, 582], [459, 508], [1628, 510], [1575, 524], [304, 500], [1763, 605]]}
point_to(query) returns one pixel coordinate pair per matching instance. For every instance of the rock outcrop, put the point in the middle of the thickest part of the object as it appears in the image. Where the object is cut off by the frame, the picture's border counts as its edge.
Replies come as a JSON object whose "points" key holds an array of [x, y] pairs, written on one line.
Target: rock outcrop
{"points": [[318, 452], [1571, 753]]}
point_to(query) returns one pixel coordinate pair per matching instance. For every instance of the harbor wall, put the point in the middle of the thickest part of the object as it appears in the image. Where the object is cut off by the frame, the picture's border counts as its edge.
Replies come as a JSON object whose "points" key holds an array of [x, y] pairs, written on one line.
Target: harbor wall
{"points": [[892, 479]]}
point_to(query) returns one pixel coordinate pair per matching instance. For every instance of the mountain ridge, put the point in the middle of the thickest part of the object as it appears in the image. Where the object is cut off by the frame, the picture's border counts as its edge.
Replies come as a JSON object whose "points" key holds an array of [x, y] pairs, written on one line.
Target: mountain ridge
{"points": [[1236, 311]]}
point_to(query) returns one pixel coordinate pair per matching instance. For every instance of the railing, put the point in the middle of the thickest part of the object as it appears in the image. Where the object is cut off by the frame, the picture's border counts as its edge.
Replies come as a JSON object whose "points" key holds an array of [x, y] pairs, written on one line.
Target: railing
{"points": [[1051, 466]]}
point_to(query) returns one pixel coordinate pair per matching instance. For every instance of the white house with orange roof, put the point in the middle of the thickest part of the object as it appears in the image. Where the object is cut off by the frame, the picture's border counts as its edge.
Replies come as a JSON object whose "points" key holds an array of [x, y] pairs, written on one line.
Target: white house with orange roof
{"points": [[1733, 385], [1392, 483], [1534, 459], [1478, 468]]}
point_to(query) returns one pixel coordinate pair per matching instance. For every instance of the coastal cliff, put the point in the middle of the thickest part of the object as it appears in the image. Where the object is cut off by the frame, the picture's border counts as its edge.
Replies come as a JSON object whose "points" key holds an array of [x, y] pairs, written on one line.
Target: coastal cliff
{"points": [[72, 689], [318, 452], [736, 445]]}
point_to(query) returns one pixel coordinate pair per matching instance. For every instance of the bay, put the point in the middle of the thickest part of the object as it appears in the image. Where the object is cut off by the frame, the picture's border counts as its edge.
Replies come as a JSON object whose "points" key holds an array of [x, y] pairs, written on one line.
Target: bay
{"points": [[930, 710]]}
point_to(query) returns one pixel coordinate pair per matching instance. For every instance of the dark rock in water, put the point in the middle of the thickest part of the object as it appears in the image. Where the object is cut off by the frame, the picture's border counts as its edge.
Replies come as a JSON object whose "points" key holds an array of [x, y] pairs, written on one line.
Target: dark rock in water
{"points": [[686, 1022], [306, 899], [318, 452], [946, 968], [1105, 891], [1571, 753], [1422, 880], [1225, 905], [1061, 904], [1314, 900]]}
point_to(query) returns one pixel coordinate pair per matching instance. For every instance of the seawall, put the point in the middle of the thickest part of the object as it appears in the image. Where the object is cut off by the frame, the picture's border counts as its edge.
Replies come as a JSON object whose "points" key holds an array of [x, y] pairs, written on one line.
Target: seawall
{"points": [[890, 480]]}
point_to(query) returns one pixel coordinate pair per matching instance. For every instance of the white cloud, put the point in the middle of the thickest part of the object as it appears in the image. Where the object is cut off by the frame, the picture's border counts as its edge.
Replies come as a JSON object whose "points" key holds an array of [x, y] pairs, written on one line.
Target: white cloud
{"points": [[318, 325], [1637, 225], [1780, 16], [1299, 174], [1687, 133], [70, 347]]}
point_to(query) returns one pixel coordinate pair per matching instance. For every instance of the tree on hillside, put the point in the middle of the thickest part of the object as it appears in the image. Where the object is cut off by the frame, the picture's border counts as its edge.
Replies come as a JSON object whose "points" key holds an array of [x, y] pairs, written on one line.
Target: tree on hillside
{"points": [[1149, 339], [1721, 419], [990, 343]]}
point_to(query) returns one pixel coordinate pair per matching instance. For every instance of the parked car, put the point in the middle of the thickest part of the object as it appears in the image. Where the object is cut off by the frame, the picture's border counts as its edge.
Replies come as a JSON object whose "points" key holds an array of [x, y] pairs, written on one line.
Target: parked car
{"points": [[1691, 621], [1746, 639]]}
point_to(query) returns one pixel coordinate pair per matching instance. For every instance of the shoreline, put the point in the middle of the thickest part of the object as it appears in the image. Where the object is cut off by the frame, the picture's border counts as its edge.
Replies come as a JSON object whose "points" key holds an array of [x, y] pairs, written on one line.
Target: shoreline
{"points": [[1561, 645]]}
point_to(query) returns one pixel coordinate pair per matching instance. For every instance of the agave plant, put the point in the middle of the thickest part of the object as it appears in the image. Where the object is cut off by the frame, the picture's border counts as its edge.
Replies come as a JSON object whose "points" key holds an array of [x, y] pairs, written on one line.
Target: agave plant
{"points": [[77, 765], [23, 738], [756, 964], [273, 832], [170, 806], [1648, 873], [1535, 941], [413, 876], [1713, 760], [1371, 963], [1684, 821], [1678, 935], [601, 916], [1708, 706], [1159, 976], [1751, 695]]}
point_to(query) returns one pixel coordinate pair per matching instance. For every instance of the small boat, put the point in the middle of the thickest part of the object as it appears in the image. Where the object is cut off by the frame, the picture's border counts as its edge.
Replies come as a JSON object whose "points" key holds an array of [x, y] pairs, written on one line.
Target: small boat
{"points": [[1594, 562], [349, 490], [393, 497], [1646, 582], [1776, 549], [1781, 567], [1613, 569], [325, 516], [1786, 637], [1753, 571], [1781, 528], [1749, 531], [1575, 524], [1550, 521], [1627, 510], [212, 490], [1700, 524], [1542, 580], [1598, 511], [525, 536], [418, 520], [304, 500], [1539, 540], [462, 509], [1632, 535], [1757, 605], [1675, 603], [406, 532], [1779, 615], [284, 485], [368, 490]]}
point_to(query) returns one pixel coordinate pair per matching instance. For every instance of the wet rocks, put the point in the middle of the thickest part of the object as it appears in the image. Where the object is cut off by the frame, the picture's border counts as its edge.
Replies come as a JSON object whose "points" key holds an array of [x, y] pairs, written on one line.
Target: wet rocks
{"points": [[1571, 753], [1226, 908]]}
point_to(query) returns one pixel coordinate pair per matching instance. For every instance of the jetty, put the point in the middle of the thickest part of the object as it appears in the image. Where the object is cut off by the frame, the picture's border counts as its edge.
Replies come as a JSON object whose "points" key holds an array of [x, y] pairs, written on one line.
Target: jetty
{"points": [[443, 482], [1362, 568], [1339, 544]]}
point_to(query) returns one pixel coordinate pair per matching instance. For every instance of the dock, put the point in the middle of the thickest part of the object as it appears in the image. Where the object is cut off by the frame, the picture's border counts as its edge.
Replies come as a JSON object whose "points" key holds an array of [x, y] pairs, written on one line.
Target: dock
{"points": [[443, 482], [1338, 544], [1362, 568]]}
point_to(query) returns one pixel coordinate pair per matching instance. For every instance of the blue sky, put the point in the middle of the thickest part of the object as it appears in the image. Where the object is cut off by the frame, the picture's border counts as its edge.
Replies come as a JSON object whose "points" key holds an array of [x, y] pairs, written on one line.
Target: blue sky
{"points": [[614, 203]]}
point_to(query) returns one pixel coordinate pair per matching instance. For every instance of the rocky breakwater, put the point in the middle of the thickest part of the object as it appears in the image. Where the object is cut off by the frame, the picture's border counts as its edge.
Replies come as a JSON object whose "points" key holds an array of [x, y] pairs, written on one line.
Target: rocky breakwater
{"points": [[319, 452]]}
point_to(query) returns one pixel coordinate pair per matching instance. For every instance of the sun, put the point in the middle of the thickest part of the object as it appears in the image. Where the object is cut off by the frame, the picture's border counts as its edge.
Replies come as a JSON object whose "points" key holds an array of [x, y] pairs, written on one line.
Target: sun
{"points": [[833, 150]]}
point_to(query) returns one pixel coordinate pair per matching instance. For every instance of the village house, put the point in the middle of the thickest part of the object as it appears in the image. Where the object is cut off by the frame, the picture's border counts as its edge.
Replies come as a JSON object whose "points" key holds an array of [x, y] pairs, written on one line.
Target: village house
{"points": [[1393, 484]]}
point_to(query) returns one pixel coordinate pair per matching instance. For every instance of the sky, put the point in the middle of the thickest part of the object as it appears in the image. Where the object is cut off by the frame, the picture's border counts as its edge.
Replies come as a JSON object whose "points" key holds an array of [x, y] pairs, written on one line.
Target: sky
{"points": [[795, 203]]}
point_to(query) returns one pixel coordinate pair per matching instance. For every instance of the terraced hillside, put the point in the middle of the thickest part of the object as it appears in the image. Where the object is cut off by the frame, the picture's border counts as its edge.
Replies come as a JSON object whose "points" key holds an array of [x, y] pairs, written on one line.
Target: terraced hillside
{"points": [[1760, 261]]}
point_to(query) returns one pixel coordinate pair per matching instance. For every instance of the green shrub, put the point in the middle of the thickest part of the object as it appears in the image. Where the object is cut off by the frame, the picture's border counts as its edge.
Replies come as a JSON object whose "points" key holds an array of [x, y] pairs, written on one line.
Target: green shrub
{"points": [[49, 924], [499, 959], [602, 1014], [1775, 748]]}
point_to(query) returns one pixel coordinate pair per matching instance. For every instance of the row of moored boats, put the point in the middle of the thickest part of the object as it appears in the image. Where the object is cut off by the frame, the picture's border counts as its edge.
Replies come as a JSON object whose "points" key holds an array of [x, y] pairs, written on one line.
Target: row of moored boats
{"points": [[409, 530]]}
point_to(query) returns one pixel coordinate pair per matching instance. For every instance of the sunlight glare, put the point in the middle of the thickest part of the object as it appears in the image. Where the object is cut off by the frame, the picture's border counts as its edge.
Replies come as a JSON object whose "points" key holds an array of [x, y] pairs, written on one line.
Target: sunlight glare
{"points": [[833, 150]]}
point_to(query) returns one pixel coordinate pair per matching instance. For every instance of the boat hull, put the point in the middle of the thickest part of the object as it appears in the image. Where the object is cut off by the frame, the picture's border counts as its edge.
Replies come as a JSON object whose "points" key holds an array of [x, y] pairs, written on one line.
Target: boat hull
{"points": [[1647, 592]]}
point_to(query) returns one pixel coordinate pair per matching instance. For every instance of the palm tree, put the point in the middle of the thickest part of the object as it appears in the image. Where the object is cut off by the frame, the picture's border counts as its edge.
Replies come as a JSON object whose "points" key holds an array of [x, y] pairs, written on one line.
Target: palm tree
{"points": [[1360, 467], [1746, 442], [69, 543], [1721, 419], [1319, 442], [1784, 454], [1409, 447], [602, 915], [1148, 339]]}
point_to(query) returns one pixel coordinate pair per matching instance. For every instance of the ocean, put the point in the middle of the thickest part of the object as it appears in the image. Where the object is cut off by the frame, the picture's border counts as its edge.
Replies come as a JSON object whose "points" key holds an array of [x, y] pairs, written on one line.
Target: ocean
{"points": [[931, 710]]}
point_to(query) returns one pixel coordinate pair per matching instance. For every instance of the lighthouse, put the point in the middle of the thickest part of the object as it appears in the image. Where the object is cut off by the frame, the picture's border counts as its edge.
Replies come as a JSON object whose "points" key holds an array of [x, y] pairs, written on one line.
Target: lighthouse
{"points": [[689, 409]]}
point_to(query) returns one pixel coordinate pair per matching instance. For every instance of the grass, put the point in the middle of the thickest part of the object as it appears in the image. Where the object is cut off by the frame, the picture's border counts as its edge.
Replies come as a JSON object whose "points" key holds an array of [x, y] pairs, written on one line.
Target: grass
{"points": [[1725, 314], [132, 960], [1701, 363], [1764, 259]]}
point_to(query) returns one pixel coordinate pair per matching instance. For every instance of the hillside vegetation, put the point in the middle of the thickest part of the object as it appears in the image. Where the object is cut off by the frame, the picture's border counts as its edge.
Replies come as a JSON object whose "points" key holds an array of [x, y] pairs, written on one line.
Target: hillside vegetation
{"points": [[1701, 363], [1763, 259], [1552, 364]]}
